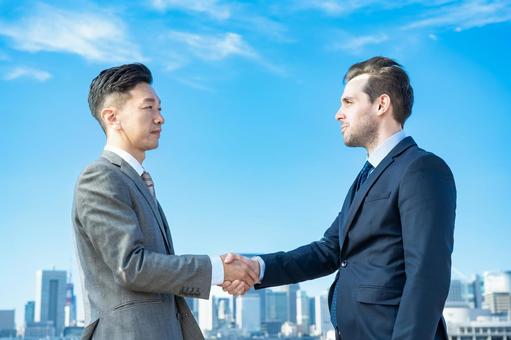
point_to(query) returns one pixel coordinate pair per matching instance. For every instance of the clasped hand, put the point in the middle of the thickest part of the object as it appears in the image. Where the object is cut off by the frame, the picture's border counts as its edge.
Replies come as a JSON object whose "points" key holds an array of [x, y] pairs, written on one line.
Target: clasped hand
{"points": [[240, 273]]}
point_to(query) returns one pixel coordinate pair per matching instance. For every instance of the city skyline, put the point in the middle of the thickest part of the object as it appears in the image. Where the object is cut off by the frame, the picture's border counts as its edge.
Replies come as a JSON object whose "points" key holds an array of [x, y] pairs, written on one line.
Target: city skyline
{"points": [[250, 159]]}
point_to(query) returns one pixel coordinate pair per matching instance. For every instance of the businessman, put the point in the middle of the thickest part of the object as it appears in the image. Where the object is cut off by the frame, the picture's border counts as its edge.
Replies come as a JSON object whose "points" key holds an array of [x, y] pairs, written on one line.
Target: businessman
{"points": [[133, 281], [392, 241]]}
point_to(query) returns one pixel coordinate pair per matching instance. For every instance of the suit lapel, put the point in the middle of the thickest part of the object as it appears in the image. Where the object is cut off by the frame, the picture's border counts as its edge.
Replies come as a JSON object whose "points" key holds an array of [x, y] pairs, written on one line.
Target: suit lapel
{"points": [[142, 187], [167, 229], [359, 196]]}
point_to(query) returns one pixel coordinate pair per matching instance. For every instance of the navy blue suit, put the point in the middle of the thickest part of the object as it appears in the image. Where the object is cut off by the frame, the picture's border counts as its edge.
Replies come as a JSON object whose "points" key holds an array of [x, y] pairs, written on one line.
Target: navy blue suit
{"points": [[391, 244]]}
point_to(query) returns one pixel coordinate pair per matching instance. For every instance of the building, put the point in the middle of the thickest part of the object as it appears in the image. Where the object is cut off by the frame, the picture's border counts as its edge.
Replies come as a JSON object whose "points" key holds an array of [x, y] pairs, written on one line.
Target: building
{"points": [[51, 298], [276, 306], [323, 324], [248, 313], [70, 307], [29, 312], [7, 324], [497, 292], [464, 323], [302, 313]]}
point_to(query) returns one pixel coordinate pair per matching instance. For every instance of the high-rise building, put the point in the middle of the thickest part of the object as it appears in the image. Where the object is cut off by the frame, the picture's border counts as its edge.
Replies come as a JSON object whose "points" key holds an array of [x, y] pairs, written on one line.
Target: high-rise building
{"points": [[476, 290], [458, 293], [291, 291], [497, 282], [497, 292], [7, 325], [323, 323], [302, 313], [248, 313], [276, 306], [312, 310], [70, 307], [29, 312], [51, 297]]}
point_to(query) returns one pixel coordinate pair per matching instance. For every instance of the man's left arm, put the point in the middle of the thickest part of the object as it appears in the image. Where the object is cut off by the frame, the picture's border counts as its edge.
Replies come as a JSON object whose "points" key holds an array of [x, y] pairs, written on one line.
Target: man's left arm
{"points": [[427, 204]]}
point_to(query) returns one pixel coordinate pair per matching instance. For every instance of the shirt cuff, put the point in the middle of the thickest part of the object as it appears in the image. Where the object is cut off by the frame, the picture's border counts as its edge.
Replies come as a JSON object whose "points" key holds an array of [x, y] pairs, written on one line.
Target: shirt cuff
{"points": [[217, 270], [262, 266]]}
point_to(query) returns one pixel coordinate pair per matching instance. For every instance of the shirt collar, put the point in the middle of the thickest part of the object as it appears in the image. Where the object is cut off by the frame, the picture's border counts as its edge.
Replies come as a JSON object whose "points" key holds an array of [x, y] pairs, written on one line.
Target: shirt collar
{"points": [[127, 157], [385, 148]]}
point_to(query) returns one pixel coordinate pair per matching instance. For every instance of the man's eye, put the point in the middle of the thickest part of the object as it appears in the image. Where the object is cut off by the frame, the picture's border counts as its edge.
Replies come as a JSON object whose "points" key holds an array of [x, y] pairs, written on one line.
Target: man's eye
{"points": [[147, 107]]}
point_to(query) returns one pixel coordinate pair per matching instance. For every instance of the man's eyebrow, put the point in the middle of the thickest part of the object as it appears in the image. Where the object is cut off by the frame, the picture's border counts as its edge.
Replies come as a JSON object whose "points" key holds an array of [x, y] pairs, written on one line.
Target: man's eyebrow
{"points": [[151, 100]]}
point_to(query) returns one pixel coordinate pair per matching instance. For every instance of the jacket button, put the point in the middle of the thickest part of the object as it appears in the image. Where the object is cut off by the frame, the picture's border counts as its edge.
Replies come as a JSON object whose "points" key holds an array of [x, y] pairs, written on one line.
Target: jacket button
{"points": [[344, 264]]}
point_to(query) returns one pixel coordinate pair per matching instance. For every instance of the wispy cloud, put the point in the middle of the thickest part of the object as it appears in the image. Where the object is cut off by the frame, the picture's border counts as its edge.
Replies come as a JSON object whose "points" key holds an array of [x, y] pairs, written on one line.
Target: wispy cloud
{"points": [[93, 36], [214, 47], [344, 7], [357, 44], [465, 15], [209, 7], [27, 72]]}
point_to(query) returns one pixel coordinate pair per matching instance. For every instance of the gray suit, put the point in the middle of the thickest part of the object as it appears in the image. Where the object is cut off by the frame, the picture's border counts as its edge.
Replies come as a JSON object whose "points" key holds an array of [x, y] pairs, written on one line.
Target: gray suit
{"points": [[133, 282]]}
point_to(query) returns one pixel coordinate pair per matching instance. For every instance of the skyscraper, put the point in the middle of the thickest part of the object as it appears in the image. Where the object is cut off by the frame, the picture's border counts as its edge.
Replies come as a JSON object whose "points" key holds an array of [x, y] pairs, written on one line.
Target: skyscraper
{"points": [[248, 313], [29, 312], [497, 292], [302, 312], [70, 307], [323, 323], [51, 297], [7, 325]]}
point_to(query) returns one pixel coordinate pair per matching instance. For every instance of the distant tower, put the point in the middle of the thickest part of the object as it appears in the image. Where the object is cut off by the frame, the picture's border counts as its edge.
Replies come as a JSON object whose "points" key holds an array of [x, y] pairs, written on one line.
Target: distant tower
{"points": [[29, 312], [248, 314], [323, 323], [70, 308], [51, 297]]}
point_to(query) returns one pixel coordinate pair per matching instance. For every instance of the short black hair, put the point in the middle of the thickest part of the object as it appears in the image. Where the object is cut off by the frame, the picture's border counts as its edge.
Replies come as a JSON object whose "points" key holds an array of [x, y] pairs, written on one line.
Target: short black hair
{"points": [[389, 77], [116, 80]]}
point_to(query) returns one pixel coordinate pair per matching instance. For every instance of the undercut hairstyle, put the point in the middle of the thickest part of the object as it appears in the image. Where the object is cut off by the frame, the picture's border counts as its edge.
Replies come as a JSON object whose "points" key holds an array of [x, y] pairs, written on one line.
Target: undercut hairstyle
{"points": [[112, 86], [386, 76]]}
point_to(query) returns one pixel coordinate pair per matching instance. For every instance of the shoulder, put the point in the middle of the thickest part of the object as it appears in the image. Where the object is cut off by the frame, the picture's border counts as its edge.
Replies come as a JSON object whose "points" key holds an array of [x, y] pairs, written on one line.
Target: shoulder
{"points": [[100, 173]]}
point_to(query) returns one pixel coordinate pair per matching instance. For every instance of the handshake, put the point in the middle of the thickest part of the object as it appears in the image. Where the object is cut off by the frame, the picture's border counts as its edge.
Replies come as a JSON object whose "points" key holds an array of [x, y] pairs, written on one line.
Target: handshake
{"points": [[240, 273]]}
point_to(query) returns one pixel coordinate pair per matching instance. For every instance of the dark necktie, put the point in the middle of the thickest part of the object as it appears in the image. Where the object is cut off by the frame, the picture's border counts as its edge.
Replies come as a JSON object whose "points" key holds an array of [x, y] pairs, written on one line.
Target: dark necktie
{"points": [[149, 182], [366, 169]]}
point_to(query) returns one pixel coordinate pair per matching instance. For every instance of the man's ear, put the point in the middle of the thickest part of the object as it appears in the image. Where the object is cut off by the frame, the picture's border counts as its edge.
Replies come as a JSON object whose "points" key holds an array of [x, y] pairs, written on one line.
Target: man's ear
{"points": [[109, 117], [384, 104]]}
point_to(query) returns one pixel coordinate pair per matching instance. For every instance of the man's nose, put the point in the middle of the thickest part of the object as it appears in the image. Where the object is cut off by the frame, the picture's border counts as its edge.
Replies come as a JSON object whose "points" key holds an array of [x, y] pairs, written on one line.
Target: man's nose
{"points": [[159, 119], [339, 115]]}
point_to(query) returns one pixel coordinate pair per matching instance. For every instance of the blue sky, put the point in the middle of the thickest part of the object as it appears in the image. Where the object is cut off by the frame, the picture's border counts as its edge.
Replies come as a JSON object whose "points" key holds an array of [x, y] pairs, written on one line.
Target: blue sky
{"points": [[251, 158]]}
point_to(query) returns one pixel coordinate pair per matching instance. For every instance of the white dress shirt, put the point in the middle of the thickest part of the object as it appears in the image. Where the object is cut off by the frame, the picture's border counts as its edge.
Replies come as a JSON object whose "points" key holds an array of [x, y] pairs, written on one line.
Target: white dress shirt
{"points": [[374, 159], [217, 267]]}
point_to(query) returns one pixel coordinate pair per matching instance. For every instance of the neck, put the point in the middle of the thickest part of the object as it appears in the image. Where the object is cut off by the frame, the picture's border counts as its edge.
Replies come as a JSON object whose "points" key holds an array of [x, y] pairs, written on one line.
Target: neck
{"points": [[383, 134], [118, 142]]}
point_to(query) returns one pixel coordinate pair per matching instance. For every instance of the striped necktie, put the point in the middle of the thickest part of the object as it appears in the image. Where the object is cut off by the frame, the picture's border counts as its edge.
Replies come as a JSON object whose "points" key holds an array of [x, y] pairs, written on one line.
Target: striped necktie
{"points": [[149, 182]]}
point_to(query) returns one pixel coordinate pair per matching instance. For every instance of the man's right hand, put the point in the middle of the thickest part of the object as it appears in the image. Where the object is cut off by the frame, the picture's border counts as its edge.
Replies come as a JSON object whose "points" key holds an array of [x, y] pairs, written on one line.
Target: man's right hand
{"points": [[234, 266]]}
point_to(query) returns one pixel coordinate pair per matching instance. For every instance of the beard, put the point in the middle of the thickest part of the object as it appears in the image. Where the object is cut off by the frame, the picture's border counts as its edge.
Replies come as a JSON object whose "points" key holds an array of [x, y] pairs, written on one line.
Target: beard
{"points": [[364, 134]]}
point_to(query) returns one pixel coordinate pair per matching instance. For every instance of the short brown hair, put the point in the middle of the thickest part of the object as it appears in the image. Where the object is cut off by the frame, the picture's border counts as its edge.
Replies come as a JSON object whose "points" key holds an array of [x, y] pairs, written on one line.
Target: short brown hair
{"points": [[389, 77], [116, 80]]}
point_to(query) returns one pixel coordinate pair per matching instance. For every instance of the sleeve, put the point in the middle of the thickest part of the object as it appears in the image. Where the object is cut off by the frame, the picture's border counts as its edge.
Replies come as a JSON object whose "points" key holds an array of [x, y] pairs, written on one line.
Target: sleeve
{"points": [[308, 262], [427, 204], [104, 209]]}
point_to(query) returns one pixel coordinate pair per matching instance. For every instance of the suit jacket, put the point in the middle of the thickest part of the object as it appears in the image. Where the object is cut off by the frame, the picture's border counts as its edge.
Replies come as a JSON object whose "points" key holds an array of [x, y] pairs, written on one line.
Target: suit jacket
{"points": [[391, 244], [132, 281]]}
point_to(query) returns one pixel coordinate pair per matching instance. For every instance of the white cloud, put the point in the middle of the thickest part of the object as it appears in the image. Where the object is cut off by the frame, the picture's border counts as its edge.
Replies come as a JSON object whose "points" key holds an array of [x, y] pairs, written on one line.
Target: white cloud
{"points": [[344, 7], [93, 36], [209, 7], [356, 45], [433, 37], [469, 14], [28, 72], [214, 47]]}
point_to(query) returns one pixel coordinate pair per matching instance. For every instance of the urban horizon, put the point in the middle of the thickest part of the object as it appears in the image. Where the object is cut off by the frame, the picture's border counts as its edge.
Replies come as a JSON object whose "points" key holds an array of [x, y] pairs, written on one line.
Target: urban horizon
{"points": [[284, 311]]}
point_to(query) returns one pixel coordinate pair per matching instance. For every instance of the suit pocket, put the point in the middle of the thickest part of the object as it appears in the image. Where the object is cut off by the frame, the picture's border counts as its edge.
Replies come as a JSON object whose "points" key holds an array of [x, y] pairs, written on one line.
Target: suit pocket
{"points": [[378, 295], [377, 196], [88, 331], [134, 303]]}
